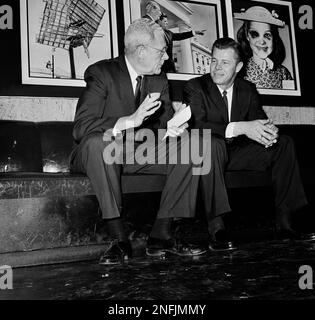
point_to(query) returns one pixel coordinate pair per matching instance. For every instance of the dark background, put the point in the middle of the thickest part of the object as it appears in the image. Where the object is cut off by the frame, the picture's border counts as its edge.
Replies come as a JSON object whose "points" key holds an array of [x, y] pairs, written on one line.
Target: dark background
{"points": [[10, 62]]}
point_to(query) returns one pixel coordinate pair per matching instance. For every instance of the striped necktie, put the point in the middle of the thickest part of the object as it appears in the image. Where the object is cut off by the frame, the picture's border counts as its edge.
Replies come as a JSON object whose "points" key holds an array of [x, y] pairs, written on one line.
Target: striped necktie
{"points": [[138, 91]]}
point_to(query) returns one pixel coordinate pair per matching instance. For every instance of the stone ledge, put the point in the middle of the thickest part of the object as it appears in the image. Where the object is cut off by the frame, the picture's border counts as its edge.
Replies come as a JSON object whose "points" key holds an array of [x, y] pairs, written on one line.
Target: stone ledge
{"points": [[51, 256], [39, 109]]}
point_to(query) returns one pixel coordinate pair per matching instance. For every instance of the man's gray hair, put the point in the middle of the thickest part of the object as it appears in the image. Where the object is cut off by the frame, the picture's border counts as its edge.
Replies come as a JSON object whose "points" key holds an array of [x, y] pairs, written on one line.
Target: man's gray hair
{"points": [[140, 32], [149, 5]]}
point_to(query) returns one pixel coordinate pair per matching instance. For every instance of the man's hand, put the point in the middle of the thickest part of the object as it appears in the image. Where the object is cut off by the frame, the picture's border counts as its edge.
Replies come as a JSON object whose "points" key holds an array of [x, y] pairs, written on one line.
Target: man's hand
{"points": [[176, 131], [200, 32], [272, 126], [178, 106], [146, 109], [262, 131]]}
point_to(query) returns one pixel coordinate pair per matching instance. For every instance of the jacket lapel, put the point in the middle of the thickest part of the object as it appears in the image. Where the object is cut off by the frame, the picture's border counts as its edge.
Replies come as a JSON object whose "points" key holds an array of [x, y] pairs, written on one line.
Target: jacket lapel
{"points": [[125, 86], [236, 103], [215, 99]]}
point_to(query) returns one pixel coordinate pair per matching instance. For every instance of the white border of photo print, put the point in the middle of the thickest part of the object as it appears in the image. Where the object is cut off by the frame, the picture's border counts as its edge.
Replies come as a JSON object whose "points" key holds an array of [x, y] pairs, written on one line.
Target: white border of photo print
{"points": [[191, 56], [281, 10], [47, 64]]}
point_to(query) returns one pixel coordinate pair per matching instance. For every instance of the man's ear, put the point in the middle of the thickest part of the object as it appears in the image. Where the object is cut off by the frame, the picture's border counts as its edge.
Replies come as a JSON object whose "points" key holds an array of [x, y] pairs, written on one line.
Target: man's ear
{"points": [[239, 66], [140, 52]]}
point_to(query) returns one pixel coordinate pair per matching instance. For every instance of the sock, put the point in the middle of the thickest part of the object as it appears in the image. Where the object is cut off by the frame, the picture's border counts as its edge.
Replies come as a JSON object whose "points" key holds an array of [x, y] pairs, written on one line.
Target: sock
{"points": [[116, 229], [162, 229], [215, 224], [283, 219]]}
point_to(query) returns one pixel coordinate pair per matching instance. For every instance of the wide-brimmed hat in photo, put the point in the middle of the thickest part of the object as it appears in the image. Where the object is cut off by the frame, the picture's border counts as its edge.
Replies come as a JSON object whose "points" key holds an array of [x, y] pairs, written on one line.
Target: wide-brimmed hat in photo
{"points": [[259, 14]]}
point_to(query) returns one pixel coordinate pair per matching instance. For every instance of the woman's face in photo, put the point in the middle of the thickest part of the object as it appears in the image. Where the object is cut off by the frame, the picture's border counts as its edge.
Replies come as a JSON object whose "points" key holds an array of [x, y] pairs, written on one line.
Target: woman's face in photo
{"points": [[260, 39]]}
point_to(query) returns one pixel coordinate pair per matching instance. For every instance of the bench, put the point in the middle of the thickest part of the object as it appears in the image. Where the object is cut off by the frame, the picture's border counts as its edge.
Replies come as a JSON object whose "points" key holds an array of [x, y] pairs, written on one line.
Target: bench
{"points": [[43, 206]]}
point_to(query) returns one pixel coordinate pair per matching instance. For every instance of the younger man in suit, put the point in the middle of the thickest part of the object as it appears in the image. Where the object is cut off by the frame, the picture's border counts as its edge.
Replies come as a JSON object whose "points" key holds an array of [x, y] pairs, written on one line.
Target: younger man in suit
{"points": [[246, 140]]}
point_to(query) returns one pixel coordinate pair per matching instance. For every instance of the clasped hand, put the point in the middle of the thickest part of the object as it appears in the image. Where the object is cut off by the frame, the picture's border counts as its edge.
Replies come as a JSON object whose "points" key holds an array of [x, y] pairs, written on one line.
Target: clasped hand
{"points": [[262, 131]]}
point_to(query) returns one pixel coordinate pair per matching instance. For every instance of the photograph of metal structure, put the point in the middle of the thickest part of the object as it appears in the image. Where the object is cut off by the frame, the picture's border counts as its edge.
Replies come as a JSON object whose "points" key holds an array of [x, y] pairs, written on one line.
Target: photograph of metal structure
{"points": [[69, 35]]}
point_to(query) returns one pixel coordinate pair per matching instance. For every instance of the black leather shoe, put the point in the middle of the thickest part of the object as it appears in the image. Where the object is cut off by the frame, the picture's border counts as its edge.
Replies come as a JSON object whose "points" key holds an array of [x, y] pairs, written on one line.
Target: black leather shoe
{"points": [[159, 247], [287, 234], [117, 253], [221, 242], [290, 234]]}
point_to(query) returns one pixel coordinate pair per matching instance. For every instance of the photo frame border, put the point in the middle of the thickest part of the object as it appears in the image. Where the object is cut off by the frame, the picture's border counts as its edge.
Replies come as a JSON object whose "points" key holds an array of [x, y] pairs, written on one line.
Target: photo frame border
{"points": [[230, 28], [26, 79], [131, 13]]}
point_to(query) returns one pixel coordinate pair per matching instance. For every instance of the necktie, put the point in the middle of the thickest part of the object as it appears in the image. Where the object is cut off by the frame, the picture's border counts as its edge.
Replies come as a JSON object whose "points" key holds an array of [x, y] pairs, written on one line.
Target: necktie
{"points": [[225, 99], [224, 96], [138, 91]]}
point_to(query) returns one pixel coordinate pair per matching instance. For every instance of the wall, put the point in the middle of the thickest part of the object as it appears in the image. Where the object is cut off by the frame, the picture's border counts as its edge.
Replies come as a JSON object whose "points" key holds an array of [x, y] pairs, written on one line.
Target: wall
{"points": [[45, 103]]}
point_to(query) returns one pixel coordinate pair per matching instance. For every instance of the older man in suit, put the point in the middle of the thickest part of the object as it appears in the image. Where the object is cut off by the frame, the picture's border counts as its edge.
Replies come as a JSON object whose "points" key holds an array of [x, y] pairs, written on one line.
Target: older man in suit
{"points": [[246, 140], [122, 94]]}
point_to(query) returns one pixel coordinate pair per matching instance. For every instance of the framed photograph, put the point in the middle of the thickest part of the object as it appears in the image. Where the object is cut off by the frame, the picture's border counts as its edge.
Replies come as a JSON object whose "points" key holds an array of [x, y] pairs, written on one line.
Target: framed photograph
{"points": [[193, 26], [265, 30], [60, 39]]}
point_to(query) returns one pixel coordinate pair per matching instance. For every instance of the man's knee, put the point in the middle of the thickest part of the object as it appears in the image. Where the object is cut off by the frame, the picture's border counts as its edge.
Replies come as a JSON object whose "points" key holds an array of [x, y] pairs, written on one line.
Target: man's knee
{"points": [[286, 142], [94, 143]]}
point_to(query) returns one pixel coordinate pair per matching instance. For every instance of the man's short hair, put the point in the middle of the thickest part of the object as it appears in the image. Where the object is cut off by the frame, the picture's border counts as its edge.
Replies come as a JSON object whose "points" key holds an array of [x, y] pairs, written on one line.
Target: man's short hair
{"points": [[226, 43], [140, 32], [162, 16]]}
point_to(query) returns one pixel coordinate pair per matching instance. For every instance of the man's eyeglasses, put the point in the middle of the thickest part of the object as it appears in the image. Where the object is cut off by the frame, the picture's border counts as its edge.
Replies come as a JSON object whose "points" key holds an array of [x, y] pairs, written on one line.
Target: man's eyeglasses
{"points": [[162, 52]]}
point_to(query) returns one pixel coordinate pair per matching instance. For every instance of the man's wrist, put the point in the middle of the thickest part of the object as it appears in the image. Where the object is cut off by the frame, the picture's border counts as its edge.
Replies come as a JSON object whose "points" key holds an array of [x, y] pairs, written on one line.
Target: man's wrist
{"points": [[239, 128], [123, 124], [129, 122], [229, 131]]}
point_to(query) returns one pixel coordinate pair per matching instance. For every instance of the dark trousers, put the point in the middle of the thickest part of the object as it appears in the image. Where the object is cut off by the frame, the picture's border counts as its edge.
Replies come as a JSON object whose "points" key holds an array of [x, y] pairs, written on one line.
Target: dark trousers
{"points": [[178, 197], [248, 155]]}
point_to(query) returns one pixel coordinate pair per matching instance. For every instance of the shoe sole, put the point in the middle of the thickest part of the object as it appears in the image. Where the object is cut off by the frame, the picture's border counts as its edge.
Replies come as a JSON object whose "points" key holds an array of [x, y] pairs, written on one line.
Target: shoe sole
{"points": [[158, 254], [111, 263], [164, 252], [228, 249]]}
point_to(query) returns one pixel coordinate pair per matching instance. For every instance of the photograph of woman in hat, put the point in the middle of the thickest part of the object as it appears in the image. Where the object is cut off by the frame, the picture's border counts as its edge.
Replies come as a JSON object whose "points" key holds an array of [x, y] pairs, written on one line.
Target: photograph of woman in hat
{"points": [[263, 48]]}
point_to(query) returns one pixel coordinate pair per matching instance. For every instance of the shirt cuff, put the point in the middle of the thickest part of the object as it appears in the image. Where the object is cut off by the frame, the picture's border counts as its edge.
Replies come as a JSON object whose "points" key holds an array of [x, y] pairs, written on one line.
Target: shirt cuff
{"points": [[116, 131], [229, 131]]}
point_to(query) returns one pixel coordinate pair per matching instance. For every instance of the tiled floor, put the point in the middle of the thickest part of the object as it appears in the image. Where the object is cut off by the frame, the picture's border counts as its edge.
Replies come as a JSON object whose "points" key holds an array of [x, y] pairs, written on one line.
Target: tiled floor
{"points": [[261, 270]]}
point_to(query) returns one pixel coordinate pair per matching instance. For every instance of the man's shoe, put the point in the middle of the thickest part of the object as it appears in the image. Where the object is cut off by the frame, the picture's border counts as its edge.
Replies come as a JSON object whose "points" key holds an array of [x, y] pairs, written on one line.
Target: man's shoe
{"points": [[117, 253], [221, 242], [159, 247], [290, 234]]}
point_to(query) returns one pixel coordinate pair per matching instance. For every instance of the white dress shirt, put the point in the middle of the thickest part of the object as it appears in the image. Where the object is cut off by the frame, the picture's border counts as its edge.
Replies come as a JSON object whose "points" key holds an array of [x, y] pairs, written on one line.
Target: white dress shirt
{"points": [[229, 131], [133, 75]]}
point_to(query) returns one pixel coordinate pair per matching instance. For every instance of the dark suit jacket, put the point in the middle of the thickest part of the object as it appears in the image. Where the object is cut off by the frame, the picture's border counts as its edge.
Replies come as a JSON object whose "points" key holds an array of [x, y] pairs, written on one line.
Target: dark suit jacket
{"points": [[209, 110], [150, 18], [109, 95], [169, 65]]}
